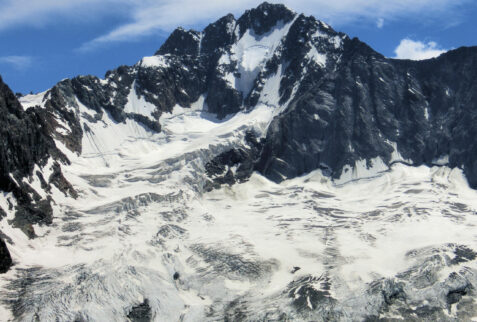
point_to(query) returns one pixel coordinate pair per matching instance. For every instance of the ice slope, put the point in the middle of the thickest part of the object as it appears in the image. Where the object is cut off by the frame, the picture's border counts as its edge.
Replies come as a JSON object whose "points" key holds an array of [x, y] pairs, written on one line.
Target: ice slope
{"points": [[250, 54], [30, 100], [125, 166], [305, 249]]}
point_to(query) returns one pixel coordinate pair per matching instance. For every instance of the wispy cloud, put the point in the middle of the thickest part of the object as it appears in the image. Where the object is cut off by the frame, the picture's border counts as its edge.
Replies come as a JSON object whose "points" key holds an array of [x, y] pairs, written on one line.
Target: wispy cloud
{"points": [[150, 16], [380, 23], [39, 13], [18, 62], [144, 17], [417, 50]]}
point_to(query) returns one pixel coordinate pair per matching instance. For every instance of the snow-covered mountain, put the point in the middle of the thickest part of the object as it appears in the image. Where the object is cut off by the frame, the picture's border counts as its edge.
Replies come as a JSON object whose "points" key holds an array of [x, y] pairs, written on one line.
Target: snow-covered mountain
{"points": [[266, 168]]}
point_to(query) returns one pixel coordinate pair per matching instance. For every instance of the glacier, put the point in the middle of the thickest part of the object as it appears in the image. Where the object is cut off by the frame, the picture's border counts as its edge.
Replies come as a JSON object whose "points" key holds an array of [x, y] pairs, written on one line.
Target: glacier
{"points": [[306, 248]]}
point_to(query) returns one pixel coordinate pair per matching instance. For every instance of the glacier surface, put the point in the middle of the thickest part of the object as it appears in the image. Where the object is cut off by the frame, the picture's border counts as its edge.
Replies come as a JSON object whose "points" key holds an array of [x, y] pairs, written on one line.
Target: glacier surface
{"points": [[398, 242]]}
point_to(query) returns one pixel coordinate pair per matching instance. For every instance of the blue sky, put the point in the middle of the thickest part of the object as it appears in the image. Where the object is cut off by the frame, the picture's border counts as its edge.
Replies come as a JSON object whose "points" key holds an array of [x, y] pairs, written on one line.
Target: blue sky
{"points": [[44, 41]]}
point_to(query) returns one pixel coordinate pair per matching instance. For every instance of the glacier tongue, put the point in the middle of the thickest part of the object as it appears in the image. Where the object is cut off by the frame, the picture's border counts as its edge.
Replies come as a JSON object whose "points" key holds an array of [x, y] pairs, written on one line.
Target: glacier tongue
{"points": [[144, 231]]}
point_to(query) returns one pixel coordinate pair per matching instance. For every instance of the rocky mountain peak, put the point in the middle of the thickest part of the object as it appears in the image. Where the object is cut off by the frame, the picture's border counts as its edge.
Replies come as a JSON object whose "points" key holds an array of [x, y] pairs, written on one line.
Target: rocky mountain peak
{"points": [[9, 101], [181, 42], [219, 35], [264, 17], [226, 31]]}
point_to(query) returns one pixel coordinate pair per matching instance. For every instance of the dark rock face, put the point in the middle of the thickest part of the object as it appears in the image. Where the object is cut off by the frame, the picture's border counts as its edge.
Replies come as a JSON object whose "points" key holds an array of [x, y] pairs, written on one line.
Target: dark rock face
{"points": [[26, 141], [307, 297], [141, 313], [181, 82], [5, 258], [23, 139], [181, 42], [235, 165], [263, 18], [218, 35], [427, 108], [225, 101]]}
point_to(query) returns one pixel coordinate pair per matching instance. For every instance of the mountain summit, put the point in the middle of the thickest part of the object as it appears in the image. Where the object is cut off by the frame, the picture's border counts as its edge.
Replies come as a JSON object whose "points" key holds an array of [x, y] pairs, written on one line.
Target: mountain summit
{"points": [[264, 168]]}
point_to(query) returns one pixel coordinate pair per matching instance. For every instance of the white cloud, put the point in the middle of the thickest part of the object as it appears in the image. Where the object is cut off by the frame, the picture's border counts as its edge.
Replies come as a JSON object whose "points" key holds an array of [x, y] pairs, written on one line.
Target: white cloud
{"points": [[18, 62], [417, 50], [39, 13], [145, 17], [149, 16], [380, 23]]}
